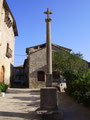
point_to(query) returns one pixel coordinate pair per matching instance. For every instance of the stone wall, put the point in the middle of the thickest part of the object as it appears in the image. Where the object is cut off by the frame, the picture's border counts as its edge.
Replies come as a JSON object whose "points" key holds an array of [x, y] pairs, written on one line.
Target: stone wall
{"points": [[6, 36], [37, 63]]}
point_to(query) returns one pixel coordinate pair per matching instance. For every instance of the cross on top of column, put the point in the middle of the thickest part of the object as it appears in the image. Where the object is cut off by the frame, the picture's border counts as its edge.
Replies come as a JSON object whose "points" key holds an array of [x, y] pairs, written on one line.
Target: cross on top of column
{"points": [[48, 12]]}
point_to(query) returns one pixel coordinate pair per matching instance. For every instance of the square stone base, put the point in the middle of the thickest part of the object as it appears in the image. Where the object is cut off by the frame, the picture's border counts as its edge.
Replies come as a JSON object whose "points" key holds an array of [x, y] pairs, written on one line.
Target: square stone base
{"points": [[44, 114], [48, 98], [48, 105]]}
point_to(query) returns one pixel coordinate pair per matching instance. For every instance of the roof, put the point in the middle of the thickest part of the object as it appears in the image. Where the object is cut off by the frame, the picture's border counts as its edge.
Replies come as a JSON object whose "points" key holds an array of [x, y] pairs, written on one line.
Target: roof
{"points": [[14, 22], [58, 46], [44, 45]]}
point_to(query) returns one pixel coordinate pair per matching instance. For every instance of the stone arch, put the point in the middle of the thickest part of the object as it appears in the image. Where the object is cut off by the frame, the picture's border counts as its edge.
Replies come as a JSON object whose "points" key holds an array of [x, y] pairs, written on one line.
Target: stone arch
{"points": [[41, 76], [2, 74]]}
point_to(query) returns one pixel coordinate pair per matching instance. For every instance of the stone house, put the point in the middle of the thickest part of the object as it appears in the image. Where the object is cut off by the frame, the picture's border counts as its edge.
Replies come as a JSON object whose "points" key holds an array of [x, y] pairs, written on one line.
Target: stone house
{"points": [[8, 31], [35, 65]]}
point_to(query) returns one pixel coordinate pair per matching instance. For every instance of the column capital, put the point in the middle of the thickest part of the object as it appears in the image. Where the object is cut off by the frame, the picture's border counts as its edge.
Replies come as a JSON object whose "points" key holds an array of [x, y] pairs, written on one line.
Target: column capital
{"points": [[48, 20]]}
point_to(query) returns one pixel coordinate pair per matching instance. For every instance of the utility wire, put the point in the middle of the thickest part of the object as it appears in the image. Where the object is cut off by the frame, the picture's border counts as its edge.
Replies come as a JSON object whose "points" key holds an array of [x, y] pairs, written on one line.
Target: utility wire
{"points": [[19, 55]]}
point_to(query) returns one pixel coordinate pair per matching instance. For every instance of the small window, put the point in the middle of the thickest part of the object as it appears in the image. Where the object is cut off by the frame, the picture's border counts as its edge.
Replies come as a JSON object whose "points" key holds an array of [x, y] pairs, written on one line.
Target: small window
{"points": [[7, 47], [36, 47], [42, 46], [56, 75], [8, 51], [41, 76]]}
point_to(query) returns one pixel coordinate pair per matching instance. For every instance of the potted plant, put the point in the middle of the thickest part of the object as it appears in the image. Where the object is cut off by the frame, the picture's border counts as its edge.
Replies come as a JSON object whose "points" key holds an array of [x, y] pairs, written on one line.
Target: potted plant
{"points": [[3, 88]]}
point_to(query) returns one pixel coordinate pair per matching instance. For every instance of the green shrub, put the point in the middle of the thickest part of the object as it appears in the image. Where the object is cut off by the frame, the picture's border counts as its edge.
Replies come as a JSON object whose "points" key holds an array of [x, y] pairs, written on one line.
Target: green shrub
{"points": [[3, 87], [78, 86], [0, 91]]}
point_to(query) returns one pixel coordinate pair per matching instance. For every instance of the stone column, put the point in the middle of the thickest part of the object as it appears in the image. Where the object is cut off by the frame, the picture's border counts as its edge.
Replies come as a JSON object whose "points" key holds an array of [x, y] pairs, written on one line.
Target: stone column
{"points": [[48, 46], [48, 50]]}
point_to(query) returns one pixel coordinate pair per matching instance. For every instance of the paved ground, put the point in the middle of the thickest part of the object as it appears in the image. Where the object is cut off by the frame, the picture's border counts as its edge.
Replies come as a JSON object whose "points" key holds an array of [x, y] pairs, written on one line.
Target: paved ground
{"points": [[20, 104], [73, 110]]}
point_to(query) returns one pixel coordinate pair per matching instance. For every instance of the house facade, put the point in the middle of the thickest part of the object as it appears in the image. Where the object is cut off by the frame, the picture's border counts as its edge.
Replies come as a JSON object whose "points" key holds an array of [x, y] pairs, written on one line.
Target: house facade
{"points": [[36, 64], [8, 31]]}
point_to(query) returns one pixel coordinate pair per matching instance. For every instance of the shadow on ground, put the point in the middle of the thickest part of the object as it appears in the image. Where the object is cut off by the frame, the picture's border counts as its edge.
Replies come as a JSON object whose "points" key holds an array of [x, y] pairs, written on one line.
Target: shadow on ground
{"points": [[26, 98], [24, 91], [26, 116], [30, 115]]}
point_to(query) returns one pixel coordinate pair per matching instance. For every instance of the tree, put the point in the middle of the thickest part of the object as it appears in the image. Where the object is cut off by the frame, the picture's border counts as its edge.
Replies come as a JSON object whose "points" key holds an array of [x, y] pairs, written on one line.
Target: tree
{"points": [[63, 61]]}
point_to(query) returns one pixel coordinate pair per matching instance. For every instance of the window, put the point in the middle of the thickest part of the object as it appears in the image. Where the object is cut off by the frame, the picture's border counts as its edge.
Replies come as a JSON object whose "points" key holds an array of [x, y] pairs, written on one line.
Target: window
{"points": [[41, 76], [56, 76], [8, 19], [8, 51], [42, 46], [7, 47], [36, 47]]}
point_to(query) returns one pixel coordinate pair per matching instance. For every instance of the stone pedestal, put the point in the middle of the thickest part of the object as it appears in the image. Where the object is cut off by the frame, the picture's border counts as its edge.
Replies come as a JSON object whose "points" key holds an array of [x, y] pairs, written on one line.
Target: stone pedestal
{"points": [[48, 105], [48, 98]]}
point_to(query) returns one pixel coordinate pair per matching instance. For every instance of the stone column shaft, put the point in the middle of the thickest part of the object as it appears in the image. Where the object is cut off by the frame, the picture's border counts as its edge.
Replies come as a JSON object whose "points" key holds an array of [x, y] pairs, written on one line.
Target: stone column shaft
{"points": [[48, 46], [48, 53]]}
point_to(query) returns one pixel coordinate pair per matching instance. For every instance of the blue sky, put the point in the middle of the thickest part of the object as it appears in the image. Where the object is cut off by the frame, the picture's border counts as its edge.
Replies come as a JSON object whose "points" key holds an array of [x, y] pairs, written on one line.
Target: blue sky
{"points": [[70, 26]]}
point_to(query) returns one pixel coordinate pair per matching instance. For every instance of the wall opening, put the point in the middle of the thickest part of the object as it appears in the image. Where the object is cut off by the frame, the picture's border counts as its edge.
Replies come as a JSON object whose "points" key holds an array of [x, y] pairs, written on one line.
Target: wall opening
{"points": [[2, 75], [41, 76], [56, 76]]}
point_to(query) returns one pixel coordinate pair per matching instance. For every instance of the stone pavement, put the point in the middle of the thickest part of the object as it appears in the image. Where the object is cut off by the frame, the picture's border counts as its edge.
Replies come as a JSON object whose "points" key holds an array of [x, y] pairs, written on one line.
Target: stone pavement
{"points": [[20, 104]]}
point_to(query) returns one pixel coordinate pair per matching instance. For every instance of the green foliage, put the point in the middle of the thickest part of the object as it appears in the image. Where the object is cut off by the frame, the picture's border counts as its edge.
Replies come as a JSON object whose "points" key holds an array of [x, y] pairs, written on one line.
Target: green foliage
{"points": [[63, 61], [3, 87], [78, 86], [0, 91]]}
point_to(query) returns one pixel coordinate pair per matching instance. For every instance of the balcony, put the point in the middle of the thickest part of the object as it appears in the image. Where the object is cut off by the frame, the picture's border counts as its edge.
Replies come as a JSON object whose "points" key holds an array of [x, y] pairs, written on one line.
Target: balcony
{"points": [[9, 53]]}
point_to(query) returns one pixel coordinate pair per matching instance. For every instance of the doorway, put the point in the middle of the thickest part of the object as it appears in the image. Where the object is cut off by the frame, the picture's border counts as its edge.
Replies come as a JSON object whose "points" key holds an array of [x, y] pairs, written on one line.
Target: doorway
{"points": [[2, 74]]}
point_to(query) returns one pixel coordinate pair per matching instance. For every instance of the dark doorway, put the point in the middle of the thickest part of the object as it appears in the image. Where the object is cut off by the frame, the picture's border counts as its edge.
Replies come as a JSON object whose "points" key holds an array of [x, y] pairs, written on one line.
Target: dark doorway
{"points": [[2, 74], [41, 76]]}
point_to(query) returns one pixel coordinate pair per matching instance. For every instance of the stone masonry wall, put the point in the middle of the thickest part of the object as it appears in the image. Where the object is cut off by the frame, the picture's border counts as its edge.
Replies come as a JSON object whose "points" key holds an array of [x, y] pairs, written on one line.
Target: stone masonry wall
{"points": [[6, 36], [37, 63]]}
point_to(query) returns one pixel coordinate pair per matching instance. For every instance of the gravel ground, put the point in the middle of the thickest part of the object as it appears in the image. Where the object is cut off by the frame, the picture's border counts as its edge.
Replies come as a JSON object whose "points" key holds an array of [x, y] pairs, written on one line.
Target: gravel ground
{"points": [[20, 104]]}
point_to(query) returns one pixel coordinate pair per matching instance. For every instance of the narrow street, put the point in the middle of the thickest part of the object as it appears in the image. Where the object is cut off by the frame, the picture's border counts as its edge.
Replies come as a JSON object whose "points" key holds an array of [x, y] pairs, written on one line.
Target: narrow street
{"points": [[20, 104]]}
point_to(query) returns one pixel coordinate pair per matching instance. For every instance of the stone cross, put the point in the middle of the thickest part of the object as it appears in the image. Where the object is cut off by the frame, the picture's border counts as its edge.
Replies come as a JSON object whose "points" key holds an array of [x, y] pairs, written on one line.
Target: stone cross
{"points": [[48, 49], [48, 12]]}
